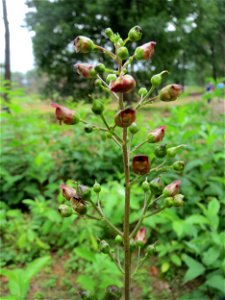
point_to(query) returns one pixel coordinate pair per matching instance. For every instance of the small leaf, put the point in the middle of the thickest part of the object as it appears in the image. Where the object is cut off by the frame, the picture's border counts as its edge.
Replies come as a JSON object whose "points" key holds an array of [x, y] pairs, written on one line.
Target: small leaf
{"points": [[216, 282], [35, 267], [210, 256], [165, 267], [85, 254], [176, 260]]}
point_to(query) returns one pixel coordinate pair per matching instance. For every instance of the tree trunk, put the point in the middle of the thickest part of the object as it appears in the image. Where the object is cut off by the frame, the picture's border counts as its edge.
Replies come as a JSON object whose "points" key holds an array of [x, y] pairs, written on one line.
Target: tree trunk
{"points": [[7, 75]]}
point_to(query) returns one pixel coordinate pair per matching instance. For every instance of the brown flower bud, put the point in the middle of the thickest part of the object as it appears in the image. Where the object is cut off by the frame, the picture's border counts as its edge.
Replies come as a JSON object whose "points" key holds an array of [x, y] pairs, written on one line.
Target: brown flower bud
{"points": [[156, 135], [83, 44], [67, 191], [65, 115], [145, 51], [170, 92], [124, 118], [141, 164], [84, 70], [123, 84]]}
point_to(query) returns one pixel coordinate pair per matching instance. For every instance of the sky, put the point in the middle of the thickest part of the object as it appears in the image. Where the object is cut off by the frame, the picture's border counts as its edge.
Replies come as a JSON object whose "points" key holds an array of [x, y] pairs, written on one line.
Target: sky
{"points": [[22, 58]]}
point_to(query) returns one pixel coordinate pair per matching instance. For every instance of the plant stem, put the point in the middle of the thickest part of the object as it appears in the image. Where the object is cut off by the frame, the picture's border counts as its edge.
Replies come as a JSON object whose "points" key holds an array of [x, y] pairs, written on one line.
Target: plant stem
{"points": [[138, 146], [113, 56], [118, 139]]}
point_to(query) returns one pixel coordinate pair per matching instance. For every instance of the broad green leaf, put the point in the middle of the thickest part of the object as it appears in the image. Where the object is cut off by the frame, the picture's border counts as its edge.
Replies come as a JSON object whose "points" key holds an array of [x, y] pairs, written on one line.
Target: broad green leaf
{"points": [[210, 256], [35, 267], [213, 207], [86, 282], [217, 282], [197, 219], [165, 267], [85, 254], [178, 227], [176, 260], [195, 268]]}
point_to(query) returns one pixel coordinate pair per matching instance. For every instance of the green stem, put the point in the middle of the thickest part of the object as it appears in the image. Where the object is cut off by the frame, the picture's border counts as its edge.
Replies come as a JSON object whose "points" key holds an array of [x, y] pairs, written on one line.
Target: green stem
{"points": [[106, 51], [115, 261], [108, 89], [155, 212], [118, 139], [103, 218], [138, 146], [138, 260]]}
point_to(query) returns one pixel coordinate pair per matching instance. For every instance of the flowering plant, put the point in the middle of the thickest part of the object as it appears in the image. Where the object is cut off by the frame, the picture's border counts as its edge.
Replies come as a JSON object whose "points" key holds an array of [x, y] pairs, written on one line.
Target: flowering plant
{"points": [[137, 167]]}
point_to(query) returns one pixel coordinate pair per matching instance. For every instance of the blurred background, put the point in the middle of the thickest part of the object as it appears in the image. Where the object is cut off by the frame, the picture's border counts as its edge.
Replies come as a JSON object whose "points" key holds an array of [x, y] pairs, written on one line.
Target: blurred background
{"points": [[37, 154]]}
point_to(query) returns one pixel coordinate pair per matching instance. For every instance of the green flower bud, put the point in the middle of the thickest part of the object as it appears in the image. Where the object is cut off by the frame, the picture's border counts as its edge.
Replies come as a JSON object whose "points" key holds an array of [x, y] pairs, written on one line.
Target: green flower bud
{"points": [[104, 247], [133, 128], [113, 292], [122, 53], [157, 79], [81, 208], [142, 92], [170, 92], [169, 201], [156, 186], [178, 200], [110, 77], [135, 34], [160, 151], [92, 72], [97, 107], [98, 82], [150, 250], [145, 186], [178, 165], [172, 151], [109, 33], [118, 239], [65, 210], [83, 44], [97, 187], [84, 192], [88, 128], [108, 135], [100, 68]]}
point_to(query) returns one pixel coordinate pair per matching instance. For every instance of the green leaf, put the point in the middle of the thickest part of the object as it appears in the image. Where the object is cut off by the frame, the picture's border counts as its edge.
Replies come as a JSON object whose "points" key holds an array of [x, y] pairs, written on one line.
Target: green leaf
{"points": [[213, 207], [176, 260], [85, 254], [178, 227], [210, 256], [86, 282], [217, 282], [165, 267], [195, 268], [197, 219], [35, 267]]}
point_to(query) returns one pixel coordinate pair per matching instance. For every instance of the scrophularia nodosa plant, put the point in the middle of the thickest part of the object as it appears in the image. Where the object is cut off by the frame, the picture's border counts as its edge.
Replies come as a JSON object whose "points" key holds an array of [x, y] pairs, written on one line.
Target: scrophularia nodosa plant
{"points": [[85, 201]]}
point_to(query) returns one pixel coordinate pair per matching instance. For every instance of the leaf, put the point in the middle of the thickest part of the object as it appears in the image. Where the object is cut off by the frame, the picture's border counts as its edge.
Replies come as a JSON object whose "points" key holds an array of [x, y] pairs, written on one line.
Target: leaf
{"points": [[85, 254], [35, 267], [197, 219], [195, 268], [176, 260], [213, 207], [165, 267], [193, 164], [210, 256], [178, 227], [217, 282], [86, 282]]}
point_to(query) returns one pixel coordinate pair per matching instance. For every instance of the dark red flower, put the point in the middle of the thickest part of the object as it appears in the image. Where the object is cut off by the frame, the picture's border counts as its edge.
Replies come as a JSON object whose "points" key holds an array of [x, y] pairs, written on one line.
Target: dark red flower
{"points": [[65, 115], [156, 135], [123, 84], [141, 164], [125, 118], [84, 69], [67, 191]]}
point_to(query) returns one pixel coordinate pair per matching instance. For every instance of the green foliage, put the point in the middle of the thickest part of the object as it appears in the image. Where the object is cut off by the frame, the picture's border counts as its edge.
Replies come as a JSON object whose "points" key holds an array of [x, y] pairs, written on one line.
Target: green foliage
{"points": [[19, 279]]}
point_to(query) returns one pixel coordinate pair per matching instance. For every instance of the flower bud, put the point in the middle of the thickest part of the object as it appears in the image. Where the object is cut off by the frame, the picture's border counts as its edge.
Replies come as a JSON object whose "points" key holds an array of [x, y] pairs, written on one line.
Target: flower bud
{"points": [[80, 208], [122, 53], [172, 189], [140, 238], [145, 186], [135, 34], [142, 92], [123, 84], [178, 165], [104, 247], [133, 128], [124, 118], [97, 107], [157, 79], [156, 186], [113, 292], [150, 250], [145, 51], [84, 70], [83, 44], [88, 128], [156, 135], [67, 191], [160, 151], [98, 82], [141, 164], [169, 202], [133, 244], [118, 240], [65, 115], [110, 77], [65, 210], [109, 33], [178, 200], [172, 151], [97, 187], [100, 68], [170, 92]]}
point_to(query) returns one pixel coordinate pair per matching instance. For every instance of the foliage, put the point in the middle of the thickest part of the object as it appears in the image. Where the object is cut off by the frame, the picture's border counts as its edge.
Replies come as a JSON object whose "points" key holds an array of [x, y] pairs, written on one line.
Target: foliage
{"points": [[188, 39], [19, 279]]}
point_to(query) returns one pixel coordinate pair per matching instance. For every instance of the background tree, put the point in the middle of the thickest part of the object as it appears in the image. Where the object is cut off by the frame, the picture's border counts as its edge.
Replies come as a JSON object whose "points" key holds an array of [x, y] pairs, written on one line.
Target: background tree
{"points": [[189, 34]]}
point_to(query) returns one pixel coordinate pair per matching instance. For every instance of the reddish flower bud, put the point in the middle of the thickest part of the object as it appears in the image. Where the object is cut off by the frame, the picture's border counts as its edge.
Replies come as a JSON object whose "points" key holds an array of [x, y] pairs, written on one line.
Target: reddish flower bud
{"points": [[65, 115], [145, 51], [67, 191], [84, 70], [141, 236], [141, 164], [123, 84], [83, 44], [156, 135], [170, 92], [172, 189], [124, 118]]}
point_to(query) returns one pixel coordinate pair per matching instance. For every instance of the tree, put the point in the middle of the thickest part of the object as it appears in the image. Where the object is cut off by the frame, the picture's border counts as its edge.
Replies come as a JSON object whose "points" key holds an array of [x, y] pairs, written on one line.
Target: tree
{"points": [[170, 23], [7, 73]]}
